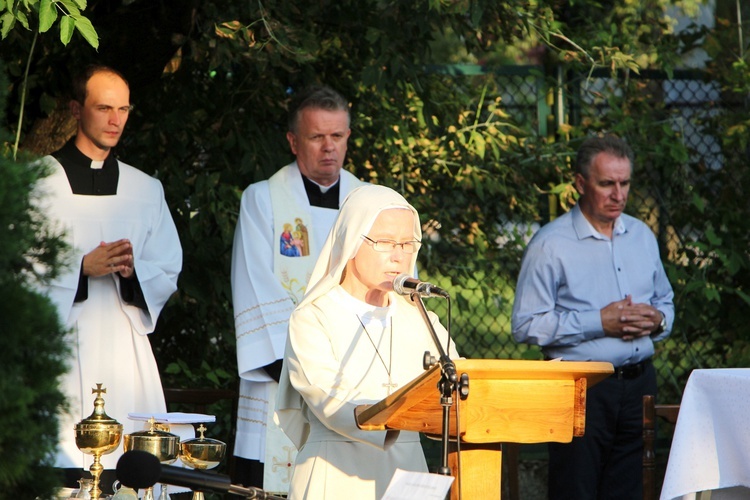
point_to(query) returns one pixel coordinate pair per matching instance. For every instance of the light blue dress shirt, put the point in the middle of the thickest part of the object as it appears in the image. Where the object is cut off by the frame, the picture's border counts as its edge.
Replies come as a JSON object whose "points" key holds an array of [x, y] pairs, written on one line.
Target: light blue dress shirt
{"points": [[570, 272]]}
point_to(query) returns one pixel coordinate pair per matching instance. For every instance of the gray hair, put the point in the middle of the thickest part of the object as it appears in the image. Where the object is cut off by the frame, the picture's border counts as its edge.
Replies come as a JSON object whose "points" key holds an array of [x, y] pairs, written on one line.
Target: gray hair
{"points": [[316, 97], [594, 145]]}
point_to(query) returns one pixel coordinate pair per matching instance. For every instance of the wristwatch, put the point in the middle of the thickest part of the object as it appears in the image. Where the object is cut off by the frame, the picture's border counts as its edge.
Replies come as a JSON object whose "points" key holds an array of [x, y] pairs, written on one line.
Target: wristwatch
{"points": [[663, 325]]}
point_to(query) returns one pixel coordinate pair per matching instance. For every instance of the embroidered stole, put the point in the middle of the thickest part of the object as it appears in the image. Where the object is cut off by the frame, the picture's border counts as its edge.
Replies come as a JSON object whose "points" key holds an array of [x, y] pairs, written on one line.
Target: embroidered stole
{"points": [[293, 230], [299, 231]]}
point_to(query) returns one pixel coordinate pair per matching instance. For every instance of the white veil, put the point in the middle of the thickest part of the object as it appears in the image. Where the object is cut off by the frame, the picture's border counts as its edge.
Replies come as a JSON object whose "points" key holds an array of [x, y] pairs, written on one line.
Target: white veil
{"points": [[357, 215]]}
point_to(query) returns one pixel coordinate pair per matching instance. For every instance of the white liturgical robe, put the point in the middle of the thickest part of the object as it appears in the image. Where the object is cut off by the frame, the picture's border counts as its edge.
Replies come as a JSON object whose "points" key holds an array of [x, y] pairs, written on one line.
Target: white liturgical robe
{"points": [[262, 303], [341, 353], [334, 365], [108, 336]]}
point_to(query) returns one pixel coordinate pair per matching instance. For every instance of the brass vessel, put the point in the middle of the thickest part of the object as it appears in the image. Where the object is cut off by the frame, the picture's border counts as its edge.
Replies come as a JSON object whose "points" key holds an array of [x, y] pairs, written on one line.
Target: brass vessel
{"points": [[202, 453], [98, 435], [163, 445]]}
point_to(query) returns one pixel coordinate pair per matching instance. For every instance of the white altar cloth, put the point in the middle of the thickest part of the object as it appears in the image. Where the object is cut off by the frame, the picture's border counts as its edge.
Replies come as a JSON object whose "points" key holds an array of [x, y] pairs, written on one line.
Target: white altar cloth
{"points": [[711, 443]]}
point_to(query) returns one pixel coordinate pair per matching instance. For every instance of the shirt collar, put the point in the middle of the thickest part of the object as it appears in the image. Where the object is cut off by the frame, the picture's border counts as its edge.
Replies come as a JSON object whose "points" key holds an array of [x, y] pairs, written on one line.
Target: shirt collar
{"points": [[584, 229]]}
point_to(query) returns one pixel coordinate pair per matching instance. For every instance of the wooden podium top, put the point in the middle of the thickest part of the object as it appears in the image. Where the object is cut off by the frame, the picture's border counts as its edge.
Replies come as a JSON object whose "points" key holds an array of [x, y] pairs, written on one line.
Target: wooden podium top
{"points": [[509, 401]]}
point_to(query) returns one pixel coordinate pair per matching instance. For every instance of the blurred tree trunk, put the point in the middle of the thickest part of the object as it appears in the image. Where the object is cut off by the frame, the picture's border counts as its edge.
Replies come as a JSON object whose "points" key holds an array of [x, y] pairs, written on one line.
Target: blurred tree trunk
{"points": [[51, 133]]}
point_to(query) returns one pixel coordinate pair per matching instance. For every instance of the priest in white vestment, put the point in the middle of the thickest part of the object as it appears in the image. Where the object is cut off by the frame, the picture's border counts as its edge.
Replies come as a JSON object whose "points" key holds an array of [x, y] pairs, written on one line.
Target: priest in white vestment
{"points": [[352, 341], [124, 263], [281, 227]]}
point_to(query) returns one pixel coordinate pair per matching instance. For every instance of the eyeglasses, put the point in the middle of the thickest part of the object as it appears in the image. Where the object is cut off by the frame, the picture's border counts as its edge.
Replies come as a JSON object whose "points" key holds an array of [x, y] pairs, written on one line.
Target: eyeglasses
{"points": [[390, 245]]}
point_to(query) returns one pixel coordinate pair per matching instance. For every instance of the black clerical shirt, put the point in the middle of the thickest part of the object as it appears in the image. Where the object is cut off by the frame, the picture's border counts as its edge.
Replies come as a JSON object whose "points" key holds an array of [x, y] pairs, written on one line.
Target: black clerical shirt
{"points": [[86, 180], [317, 198]]}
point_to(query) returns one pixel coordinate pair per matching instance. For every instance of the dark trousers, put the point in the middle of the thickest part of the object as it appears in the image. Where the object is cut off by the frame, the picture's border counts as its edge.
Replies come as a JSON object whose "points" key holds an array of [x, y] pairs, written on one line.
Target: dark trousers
{"points": [[248, 472], [606, 463]]}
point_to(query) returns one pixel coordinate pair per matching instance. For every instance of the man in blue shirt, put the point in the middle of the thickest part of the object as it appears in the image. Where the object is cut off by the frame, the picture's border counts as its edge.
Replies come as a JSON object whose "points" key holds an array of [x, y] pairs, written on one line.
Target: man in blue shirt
{"points": [[592, 288]]}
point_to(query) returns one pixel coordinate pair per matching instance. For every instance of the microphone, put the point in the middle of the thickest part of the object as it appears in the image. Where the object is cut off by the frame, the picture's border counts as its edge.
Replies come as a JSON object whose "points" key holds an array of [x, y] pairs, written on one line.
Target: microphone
{"points": [[403, 284], [140, 469]]}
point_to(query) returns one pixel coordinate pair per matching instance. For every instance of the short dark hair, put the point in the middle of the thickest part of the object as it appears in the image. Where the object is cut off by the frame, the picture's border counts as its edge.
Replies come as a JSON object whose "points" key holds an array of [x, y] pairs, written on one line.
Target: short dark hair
{"points": [[318, 97], [83, 77], [594, 145]]}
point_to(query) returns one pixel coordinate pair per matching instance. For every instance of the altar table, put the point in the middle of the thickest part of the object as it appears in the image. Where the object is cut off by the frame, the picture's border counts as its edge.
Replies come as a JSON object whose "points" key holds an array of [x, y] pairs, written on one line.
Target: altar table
{"points": [[711, 443]]}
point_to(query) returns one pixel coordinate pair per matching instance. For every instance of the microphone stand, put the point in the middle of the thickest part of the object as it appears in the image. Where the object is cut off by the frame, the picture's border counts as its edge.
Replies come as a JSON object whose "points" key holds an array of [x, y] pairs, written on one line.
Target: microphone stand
{"points": [[447, 385], [262, 495]]}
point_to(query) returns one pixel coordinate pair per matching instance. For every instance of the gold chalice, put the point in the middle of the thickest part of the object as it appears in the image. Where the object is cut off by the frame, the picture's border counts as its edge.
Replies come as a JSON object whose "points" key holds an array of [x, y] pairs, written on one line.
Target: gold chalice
{"points": [[202, 453], [98, 435], [161, 444]]}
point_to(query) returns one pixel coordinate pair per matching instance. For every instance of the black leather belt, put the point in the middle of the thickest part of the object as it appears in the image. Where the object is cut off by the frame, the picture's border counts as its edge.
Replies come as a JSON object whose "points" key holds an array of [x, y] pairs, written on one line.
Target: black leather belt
{"points": [[635, 370]]}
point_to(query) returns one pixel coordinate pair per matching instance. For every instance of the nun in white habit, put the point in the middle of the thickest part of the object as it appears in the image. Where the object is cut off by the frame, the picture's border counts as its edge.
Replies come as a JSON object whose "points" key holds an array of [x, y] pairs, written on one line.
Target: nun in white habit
{"points": [[353, 341]]}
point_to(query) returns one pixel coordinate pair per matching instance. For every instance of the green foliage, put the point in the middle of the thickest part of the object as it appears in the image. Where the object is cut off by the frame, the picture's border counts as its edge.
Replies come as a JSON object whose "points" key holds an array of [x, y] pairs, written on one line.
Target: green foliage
{"points": [[29, 394], [33, 341], [48, 12], [215, 122]]}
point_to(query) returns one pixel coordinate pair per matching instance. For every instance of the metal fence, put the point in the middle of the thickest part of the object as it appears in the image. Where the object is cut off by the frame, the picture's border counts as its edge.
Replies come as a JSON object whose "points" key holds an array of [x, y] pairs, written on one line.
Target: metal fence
{"points": [[685, 102]]}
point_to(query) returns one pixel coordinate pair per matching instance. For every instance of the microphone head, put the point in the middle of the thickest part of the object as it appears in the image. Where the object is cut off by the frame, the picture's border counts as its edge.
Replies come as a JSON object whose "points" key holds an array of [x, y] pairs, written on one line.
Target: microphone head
{"points": [[398, 284], [138, 469]]}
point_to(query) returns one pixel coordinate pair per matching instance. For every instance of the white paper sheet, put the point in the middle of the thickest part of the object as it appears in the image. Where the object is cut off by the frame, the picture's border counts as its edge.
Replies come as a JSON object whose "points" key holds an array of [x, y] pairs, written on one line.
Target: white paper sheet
{"points": [[406, 485], [173, 417]]}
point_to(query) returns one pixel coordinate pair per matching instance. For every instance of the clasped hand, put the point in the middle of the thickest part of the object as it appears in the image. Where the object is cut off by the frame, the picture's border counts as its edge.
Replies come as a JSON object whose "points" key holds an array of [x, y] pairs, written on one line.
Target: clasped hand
{"points": [[108, 258], [627, 320]]}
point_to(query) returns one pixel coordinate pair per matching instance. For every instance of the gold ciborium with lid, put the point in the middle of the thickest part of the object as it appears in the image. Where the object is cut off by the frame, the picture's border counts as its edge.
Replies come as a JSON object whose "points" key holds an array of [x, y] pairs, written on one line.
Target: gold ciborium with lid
{"points": [[98, 435], [202, 453], [163, 445]]}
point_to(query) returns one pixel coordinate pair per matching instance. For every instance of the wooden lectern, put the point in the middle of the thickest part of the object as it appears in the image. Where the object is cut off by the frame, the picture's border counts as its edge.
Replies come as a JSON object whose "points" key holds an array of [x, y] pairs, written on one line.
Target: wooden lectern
{"points": [[509, 401]]}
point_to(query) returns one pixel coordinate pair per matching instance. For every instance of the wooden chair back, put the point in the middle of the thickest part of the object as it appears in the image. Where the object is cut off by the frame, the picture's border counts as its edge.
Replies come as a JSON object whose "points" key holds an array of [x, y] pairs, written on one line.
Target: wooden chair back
{"points": [[652, 411]]}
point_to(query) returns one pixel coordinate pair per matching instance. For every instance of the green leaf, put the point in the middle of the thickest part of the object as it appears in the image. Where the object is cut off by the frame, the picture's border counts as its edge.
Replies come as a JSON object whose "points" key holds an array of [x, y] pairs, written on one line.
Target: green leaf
{"points": [[713, 295], [479, 144], [7, 21], [47, 15], [476, 14], [699, 202], [70, 6], [713, 238], [21, 16], [743, 296], [173, 368], [86, 29], [67, 24]]}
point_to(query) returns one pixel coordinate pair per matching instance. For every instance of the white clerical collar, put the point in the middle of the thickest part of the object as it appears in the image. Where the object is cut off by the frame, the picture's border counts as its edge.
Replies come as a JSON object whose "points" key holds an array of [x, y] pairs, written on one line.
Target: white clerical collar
{"points": [[322, 188], [97, 164]]}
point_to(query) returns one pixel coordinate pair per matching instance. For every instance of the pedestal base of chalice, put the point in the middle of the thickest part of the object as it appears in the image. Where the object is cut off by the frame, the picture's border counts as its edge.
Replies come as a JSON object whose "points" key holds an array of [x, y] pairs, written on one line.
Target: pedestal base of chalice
{"points": [[98, 435], [202, 453], [161, 444]]}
